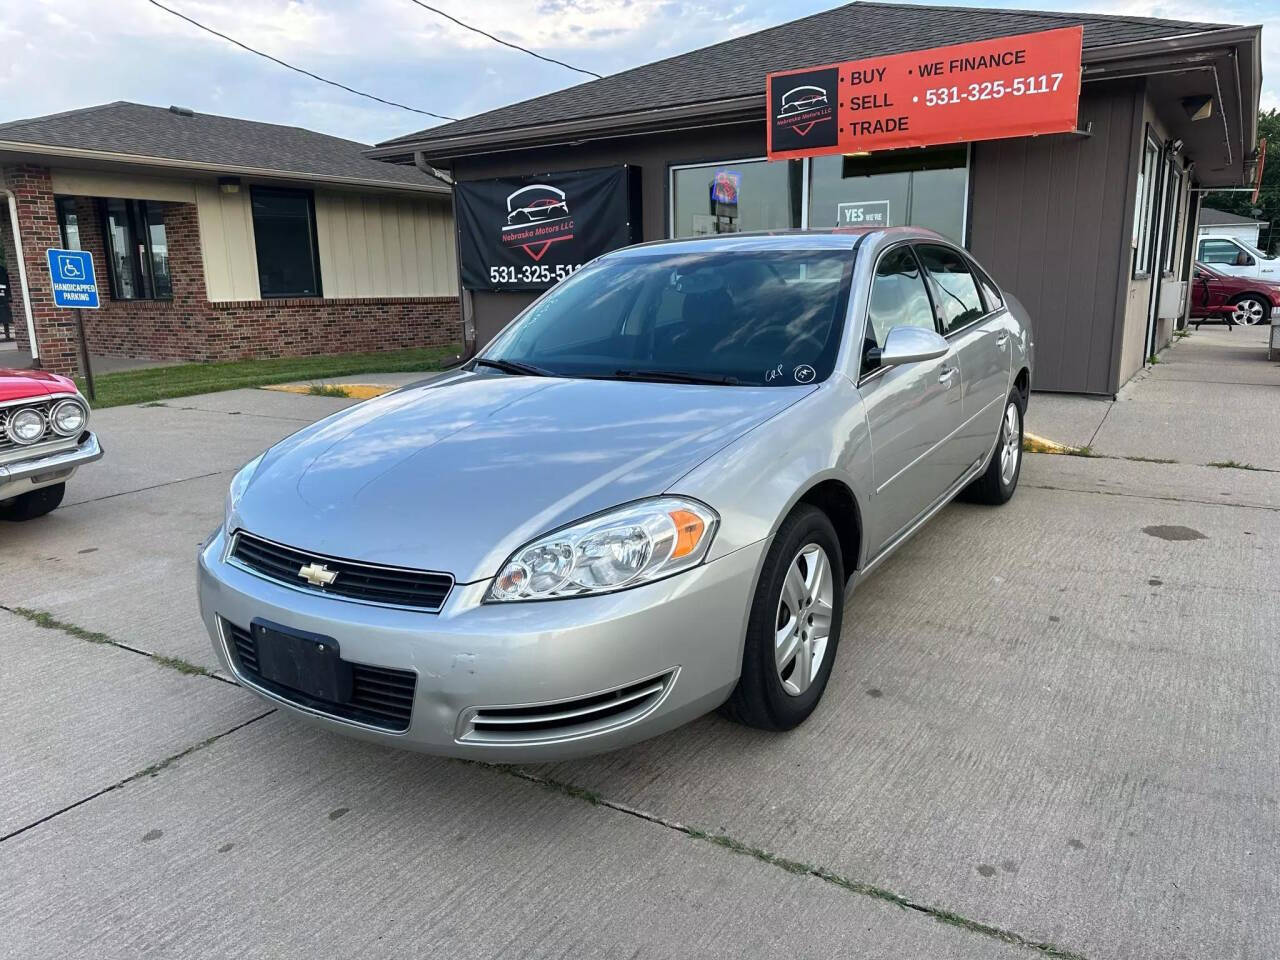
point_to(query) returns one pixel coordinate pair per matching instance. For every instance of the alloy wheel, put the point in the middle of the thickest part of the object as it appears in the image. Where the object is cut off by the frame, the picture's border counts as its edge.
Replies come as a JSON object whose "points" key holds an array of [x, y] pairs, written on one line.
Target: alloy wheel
{"points": [[1248, 312], [1010, 443], [803, 624]]}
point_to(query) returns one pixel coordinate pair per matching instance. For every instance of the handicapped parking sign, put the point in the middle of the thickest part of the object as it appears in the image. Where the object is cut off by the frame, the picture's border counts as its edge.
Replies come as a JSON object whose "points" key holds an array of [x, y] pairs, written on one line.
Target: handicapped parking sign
{"points": [[74, 283]]}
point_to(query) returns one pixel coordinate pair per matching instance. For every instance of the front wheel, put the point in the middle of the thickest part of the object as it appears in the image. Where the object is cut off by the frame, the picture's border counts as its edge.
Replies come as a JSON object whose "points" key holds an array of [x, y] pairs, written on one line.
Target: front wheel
{"points": [[794, 627], [997, 483], [1248, 311], [37, 503]]}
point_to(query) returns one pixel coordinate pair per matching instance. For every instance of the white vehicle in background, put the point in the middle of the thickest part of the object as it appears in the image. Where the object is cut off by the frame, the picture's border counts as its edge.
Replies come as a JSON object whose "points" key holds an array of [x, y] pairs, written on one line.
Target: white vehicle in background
{"points": [[1238, 258]]}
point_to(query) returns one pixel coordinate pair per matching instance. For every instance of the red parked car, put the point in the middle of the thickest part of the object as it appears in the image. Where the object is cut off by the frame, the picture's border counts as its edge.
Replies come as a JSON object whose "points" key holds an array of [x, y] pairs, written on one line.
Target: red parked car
{"points": [[44, 437], [1220, 296]]}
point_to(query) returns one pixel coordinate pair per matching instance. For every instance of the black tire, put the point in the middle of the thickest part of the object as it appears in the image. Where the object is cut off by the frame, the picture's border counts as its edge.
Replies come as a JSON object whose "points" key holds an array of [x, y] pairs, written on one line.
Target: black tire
{"points": [[992, 488], [1255, 306], [37, 503], [759, 699]]}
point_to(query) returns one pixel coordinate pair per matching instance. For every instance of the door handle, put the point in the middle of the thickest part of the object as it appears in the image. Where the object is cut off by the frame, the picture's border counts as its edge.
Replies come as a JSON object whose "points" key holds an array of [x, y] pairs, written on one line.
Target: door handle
{"points": [[1002, 339], [946, 375]]}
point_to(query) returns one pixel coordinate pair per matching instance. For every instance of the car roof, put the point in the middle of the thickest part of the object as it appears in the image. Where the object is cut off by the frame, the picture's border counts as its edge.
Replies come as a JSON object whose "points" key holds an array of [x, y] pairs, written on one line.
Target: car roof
{"points": [[839, 238]]}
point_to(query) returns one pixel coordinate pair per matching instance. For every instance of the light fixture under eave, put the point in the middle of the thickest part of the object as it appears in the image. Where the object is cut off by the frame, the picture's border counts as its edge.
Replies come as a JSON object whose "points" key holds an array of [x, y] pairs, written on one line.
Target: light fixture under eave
{"points": [[229, 184], [1199, 107]]}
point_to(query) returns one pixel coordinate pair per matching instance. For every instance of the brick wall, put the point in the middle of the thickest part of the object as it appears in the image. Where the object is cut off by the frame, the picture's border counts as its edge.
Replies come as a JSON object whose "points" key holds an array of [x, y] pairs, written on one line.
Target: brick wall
{"points": [[38, 225], [18, 327], [190, 327]]}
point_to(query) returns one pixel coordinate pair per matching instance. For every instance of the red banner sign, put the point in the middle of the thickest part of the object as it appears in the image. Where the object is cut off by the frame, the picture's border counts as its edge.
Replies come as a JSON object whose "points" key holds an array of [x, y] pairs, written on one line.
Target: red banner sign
{"points": [[1016, 86]]}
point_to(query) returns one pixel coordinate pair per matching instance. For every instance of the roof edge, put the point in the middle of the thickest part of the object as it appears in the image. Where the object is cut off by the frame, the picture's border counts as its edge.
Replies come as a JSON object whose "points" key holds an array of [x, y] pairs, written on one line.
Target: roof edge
{"points": [[402, 149], [130, 159]]}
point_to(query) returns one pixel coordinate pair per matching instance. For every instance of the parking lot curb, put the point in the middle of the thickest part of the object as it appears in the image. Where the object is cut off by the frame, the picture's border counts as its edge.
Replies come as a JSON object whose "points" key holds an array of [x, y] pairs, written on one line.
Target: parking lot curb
{"points": [[1034, 444], [354, 391]]}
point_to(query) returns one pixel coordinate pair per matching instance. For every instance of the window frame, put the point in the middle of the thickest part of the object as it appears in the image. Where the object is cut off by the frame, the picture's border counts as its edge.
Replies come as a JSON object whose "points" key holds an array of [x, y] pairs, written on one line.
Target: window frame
{"points": [[1145, 213], [143, 265], [865, 376], [255, 191], [61, 204], [1173, 196]]}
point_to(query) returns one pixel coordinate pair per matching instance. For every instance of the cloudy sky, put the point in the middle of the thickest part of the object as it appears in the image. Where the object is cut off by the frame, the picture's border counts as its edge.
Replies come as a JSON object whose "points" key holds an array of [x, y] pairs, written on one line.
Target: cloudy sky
{"points": [[63, 54]]}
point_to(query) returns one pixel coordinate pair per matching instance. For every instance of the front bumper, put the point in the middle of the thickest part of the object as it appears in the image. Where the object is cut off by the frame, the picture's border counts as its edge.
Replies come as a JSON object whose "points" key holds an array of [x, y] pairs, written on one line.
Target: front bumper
{"points": [[23, 476], [687, 630]]}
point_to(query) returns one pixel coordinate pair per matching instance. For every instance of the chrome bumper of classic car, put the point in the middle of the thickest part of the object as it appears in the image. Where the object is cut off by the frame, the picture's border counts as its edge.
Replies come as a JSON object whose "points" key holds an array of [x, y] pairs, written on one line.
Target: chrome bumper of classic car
{"points": [[22, 476]]}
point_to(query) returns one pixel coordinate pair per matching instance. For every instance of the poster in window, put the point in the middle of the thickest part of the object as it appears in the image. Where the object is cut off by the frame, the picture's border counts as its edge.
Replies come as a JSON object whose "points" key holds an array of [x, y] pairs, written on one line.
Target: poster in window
{"points": [[528, 233]]}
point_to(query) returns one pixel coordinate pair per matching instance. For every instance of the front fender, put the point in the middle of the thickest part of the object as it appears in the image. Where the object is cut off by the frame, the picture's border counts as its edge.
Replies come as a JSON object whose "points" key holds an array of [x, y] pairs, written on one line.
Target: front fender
{"points": [[755, 481]]}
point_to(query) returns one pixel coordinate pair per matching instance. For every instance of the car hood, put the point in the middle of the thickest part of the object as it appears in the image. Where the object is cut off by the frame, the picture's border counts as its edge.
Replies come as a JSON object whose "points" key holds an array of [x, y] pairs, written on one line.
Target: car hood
{"points": [[456, 474], [22, 384]]}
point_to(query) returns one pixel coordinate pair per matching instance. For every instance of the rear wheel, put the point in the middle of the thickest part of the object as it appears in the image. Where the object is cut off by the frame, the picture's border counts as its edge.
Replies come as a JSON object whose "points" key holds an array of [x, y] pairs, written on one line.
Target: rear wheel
{"points": [[997, 483], [37, 503], [794, 627], [1249, 310]]}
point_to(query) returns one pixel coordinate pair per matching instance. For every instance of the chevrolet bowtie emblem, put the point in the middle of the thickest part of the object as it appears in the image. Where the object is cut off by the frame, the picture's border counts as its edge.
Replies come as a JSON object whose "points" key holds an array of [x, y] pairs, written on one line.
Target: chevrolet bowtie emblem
{"points": [[317, 574]]}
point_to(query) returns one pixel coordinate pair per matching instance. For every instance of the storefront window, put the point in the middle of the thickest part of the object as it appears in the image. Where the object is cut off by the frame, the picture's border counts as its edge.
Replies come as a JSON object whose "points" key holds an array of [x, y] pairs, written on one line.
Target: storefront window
{"points": [[137, 250], [68, 222], [768, 198], [924, 188], [284, 233]]}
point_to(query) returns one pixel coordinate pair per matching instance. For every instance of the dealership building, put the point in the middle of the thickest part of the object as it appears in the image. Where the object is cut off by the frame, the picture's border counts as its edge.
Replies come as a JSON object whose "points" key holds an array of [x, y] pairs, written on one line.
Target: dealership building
{"points": [[214, 238], [1092, 227]]}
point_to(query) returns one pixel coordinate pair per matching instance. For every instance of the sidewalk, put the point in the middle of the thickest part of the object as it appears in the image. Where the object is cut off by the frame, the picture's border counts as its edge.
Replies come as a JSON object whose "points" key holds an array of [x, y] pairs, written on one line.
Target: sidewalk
{"points": [[1211, 399]]}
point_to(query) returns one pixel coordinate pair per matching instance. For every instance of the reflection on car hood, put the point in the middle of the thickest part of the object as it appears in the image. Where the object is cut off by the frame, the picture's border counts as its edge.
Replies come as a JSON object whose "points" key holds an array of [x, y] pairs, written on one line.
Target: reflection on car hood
{"points": [[454, 475]]}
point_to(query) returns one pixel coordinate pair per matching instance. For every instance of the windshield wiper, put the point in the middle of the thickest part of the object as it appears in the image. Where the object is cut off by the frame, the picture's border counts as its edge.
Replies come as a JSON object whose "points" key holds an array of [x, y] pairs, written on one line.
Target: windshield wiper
{"points": [[676, 376], [513, 366]]}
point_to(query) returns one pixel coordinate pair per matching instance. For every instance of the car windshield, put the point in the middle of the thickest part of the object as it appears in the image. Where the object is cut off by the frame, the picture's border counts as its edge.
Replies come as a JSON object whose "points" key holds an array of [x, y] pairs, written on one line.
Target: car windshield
{"points": [[729, 317]]}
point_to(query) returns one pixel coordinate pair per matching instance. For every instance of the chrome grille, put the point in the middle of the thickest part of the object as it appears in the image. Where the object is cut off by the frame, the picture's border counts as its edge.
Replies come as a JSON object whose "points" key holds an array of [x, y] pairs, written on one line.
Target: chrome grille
{"points": [[367, 583], [381, 697], [565, 718], [44, 406]]}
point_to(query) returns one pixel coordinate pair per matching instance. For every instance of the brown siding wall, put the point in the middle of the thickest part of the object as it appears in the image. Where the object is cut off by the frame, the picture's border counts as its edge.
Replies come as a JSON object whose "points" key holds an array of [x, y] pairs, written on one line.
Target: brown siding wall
{"points": [[1051, 219]]}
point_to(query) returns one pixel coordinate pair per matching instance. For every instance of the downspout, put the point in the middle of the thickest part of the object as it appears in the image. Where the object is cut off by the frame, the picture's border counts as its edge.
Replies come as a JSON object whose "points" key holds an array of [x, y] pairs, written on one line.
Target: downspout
{"points": [[22, 277]]}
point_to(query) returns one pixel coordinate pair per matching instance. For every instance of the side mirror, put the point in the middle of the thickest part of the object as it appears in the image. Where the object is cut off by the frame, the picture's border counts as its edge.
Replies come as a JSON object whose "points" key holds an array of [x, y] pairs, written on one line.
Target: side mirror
{"points": [[1243, 259], [911, 345]]}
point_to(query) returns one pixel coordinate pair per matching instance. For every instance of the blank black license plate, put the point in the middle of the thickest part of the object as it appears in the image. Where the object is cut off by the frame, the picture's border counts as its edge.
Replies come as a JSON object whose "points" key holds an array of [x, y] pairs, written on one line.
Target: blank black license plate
{"points": [[307, 662]]}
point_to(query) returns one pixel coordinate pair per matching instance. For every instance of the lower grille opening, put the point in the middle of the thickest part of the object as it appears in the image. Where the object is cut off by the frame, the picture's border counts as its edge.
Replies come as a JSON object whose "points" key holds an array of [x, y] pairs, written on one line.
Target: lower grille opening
{"points": [[381, 697], [568, 717]]}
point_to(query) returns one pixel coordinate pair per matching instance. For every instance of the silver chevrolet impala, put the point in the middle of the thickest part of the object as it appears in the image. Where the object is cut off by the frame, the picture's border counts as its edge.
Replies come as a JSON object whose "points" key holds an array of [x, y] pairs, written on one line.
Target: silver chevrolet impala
{"points": [[649, 497]]}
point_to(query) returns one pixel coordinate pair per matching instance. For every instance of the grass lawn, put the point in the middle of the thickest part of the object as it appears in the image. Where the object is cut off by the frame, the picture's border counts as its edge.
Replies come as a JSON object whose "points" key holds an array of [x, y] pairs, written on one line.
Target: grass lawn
{"points": [[187, 379]]}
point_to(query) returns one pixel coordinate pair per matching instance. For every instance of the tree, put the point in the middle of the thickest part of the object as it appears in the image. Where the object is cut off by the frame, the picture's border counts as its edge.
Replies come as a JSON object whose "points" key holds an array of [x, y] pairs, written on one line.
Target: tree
{"points": [[1269, 196]]}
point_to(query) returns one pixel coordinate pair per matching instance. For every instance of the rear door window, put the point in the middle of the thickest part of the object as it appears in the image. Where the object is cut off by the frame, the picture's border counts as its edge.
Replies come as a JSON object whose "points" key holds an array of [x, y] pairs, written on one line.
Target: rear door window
{"points": [[955, 289]]}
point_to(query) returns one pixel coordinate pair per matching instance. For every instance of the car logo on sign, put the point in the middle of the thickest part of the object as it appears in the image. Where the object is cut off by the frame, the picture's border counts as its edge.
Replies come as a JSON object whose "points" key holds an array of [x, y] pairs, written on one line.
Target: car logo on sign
{"points": [[317, 574]]}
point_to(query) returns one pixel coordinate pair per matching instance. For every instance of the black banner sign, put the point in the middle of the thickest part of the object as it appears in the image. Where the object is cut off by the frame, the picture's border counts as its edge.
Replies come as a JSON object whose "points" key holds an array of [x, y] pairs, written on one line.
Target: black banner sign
{"points": [[528, 233], [802, 109]]}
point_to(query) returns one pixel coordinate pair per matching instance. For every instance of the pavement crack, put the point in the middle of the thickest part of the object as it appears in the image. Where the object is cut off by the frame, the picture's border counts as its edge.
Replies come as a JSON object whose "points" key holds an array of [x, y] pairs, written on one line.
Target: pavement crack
{"points": [[154, 486], [1154, 496], [733, 845], [47, 621], [1098, 429], [150, 771]]}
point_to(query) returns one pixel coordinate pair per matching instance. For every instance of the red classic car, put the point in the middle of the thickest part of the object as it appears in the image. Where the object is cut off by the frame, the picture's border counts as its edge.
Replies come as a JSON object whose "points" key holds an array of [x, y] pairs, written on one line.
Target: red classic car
{"points": [[1220, 296], [44, 437]]}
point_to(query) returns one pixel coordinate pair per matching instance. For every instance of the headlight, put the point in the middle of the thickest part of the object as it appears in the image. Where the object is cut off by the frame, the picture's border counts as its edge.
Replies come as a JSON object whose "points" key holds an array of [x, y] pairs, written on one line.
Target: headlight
{"points": [[68, 418], [626, 547], [25, 426], [240, 483]]}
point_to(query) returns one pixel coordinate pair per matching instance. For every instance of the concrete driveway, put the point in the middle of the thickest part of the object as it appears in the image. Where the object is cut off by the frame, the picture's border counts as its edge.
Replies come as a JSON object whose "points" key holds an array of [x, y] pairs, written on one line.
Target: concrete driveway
{"points": [[1050, 732]]}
